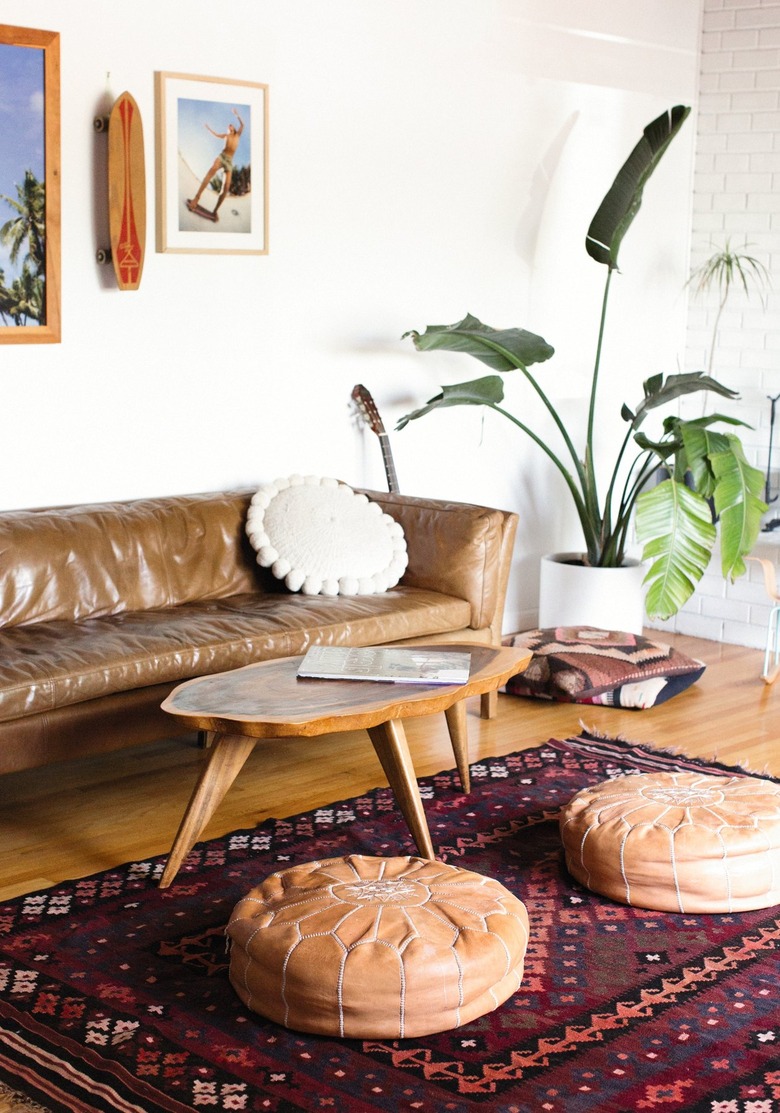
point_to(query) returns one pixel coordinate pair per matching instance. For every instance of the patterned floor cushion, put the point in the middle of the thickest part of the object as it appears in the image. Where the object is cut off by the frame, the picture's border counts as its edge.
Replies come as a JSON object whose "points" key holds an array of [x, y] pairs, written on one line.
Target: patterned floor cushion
{"points": [[611, 667], [677, 842], [366, 947]]}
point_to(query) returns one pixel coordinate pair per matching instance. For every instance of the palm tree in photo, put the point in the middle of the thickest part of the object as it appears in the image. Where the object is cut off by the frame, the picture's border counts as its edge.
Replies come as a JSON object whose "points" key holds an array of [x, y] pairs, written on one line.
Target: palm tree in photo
{"points": [[24, 300], [25, 297], [5, 301]]}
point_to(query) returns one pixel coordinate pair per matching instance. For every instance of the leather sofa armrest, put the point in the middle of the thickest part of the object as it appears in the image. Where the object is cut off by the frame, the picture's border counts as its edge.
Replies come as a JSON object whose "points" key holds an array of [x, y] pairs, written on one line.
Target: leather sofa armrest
{"points": [[459, 549]]}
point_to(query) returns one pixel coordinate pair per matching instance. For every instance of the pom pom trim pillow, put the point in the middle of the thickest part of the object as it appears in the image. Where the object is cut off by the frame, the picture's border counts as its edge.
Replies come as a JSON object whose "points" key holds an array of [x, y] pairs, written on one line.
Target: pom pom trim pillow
{"points": [[610, 667], [323, 538]]}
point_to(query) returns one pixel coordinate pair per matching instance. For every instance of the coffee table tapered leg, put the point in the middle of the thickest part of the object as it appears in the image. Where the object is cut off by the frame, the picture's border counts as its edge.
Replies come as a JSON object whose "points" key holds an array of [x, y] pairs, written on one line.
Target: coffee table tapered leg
{"points": [[392, 749], [488, 707], [459, 737], [227, 757]]}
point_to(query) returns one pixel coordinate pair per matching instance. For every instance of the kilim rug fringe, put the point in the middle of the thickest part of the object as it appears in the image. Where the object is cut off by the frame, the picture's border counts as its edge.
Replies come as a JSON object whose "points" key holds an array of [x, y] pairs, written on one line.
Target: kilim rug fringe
{"points": [[13, 1102], [114, 994], [671, 751]]}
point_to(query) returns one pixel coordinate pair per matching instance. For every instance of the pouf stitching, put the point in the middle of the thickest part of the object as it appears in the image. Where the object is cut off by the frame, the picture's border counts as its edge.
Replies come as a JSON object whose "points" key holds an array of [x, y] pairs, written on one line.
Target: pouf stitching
{"points": [[346, 952], [671, 831], [285, 964], [248, 963], [457, 932], [433, 885], [494, 935], [723, 811], [402, 976], [340, 984]]}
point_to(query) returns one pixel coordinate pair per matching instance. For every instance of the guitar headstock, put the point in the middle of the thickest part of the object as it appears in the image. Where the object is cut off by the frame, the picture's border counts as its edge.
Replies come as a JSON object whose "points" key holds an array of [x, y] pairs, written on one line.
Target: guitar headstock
{"points": [[366, 408]]}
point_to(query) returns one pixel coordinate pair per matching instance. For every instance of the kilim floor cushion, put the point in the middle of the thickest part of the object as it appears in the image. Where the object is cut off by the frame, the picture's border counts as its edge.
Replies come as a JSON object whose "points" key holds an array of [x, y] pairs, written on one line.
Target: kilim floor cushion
{"points": [[115, 994], [575, 664]]}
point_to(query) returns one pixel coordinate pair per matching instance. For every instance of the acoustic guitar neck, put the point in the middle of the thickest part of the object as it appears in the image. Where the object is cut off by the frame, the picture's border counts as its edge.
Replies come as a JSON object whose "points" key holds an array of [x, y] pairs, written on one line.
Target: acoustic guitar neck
{"points": [[366, 409]]}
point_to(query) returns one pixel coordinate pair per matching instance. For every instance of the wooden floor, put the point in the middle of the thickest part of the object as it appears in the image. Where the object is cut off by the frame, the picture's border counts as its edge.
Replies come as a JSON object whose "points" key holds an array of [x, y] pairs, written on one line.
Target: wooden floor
{"points": [[77, 818]]}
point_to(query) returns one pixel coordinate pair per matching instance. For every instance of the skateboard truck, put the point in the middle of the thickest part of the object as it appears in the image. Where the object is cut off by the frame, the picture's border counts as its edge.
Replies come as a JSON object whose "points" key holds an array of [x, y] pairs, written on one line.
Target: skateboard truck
{"points": [[103, 254]]}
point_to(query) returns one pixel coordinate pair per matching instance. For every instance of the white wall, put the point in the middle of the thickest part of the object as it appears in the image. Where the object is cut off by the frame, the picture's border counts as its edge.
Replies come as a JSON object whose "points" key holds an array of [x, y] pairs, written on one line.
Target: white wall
{"points": [[427, 158], [737, 197]]}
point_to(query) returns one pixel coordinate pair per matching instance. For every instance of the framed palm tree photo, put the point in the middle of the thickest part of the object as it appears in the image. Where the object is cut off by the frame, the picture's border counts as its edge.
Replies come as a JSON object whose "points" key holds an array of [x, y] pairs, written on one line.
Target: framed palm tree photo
{"points": [[29, 186]]}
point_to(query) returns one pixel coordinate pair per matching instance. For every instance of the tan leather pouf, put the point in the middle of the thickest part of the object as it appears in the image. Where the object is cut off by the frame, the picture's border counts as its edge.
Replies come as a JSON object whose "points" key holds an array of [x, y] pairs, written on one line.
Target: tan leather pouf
{"points": [[677, 842], [367, 947]]}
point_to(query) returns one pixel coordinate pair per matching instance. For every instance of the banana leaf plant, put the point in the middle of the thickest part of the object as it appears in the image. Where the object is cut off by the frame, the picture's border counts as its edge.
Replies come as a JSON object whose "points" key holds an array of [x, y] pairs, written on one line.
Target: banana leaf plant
{"points": [[709, 482]]}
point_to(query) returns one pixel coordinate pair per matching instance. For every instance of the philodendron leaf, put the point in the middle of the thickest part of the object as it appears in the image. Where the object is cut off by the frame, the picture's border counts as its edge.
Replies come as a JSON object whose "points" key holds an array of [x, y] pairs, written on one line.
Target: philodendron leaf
{"points": [[659, 391], [675, 526], [621, 204], [700, 445], [479, 392], [663, 449], [501, 349], [738, 504]]}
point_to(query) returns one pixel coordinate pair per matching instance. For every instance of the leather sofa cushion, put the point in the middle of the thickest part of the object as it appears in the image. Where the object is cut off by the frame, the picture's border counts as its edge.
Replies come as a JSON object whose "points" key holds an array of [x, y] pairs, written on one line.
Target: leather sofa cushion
{"points": [[48, 665]]}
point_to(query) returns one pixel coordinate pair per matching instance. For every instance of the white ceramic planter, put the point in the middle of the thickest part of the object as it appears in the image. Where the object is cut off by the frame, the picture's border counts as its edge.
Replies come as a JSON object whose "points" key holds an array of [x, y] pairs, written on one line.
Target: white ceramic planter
{"points": [[572, 594]]}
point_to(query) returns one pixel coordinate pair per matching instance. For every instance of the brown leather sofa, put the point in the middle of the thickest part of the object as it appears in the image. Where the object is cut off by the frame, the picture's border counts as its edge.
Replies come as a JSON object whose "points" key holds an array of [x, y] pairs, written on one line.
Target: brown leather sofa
{"points": [[105, 608]]}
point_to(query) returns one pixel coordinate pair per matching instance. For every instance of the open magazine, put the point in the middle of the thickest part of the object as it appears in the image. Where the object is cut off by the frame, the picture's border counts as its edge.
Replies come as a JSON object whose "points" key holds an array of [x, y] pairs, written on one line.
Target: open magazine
{"points": [[398, 665]]}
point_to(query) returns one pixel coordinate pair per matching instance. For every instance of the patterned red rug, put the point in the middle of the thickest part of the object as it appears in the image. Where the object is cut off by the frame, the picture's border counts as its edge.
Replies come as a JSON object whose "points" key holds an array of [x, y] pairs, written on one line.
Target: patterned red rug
{"points": [[114, 995]]}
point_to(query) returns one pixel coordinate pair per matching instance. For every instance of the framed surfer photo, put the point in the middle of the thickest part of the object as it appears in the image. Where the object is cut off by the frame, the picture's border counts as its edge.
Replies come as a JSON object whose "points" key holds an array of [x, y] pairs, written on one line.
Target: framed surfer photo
{"points": [[212, 165], [29, 186]]}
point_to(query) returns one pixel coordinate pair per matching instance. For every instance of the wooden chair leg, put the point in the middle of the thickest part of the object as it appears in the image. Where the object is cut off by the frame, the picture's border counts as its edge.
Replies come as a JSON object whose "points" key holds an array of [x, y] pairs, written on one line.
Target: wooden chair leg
{"points": [[772, 655]]}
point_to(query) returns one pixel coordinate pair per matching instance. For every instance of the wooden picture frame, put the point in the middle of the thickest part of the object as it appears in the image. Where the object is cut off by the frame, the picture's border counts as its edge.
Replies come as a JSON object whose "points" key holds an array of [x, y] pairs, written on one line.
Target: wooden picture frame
{"points": [[212, 165], [30, 186]]}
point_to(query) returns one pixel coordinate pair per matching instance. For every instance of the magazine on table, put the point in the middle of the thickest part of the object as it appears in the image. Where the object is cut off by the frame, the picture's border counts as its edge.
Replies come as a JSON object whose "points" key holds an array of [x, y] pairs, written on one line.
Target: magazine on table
{"points": [[391, 664]]}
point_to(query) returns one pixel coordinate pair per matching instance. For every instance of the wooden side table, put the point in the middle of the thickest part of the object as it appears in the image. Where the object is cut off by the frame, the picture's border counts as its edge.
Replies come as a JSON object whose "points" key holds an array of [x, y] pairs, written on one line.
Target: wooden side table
{"points": [[268, 700]]}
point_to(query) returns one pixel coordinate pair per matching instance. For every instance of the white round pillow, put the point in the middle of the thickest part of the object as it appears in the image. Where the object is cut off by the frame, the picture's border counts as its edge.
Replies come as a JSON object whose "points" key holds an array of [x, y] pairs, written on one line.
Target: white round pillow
{"points": [[322, 538]]}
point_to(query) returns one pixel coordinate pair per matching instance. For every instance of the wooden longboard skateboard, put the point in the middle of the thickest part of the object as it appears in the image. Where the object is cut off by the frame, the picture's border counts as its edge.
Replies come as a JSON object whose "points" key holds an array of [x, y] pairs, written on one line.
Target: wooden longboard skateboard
{"points": [[126, 192], [200, 211]]}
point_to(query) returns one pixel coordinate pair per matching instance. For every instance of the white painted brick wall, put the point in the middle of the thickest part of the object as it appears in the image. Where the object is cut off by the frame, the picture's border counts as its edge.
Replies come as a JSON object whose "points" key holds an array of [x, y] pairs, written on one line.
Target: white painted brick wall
{"points": [[737, 195]]}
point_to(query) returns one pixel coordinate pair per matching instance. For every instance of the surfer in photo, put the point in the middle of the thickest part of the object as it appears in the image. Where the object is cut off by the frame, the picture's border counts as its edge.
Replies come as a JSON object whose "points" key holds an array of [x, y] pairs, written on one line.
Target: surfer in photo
{"points": [[223, 161]]}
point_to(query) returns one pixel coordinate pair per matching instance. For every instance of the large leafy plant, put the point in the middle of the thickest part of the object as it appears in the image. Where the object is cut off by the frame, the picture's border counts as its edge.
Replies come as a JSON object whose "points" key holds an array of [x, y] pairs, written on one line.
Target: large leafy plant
{"points": [[706, 469]]}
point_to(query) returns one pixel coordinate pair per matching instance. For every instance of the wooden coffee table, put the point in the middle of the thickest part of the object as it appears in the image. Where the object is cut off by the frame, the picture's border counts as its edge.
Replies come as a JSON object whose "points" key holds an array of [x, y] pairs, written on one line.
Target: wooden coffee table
{"points": [[268, 700]]}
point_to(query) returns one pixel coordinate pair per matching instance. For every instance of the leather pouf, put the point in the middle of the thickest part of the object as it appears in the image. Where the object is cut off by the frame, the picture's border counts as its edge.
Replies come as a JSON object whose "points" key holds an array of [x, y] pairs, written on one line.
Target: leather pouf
{"points": [[677, 842], [366, 947]]}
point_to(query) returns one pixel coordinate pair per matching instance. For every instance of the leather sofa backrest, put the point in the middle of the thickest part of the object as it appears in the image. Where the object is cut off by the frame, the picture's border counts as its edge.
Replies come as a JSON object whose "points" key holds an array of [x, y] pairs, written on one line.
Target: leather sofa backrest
{"points": [[457, 549], [80, 562], [71, 563]]}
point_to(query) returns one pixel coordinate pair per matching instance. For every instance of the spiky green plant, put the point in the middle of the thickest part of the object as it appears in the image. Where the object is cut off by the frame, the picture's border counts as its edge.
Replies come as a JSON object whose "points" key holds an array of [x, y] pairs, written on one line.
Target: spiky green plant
{"points": [[722, 271], [674, 520]]}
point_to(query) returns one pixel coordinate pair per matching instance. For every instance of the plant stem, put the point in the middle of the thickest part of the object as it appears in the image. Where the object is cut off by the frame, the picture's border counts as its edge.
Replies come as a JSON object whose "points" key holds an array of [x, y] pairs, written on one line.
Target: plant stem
{"points": [[715, 330], [579, 502], [606, 525], [631, 491], [591, 491], [581, 475]]}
